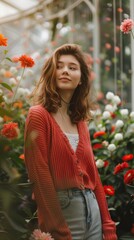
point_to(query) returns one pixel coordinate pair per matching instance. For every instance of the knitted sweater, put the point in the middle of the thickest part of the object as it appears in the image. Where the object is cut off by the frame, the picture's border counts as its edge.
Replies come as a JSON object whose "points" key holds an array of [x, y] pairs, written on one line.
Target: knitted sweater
{"points": [[53, 165]]}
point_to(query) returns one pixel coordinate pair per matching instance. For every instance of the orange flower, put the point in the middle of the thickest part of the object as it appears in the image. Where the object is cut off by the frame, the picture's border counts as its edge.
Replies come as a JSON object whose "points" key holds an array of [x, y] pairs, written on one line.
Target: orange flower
{"points": [[3, 40], [10, 130], [22, 156], [26, 61], [109, 190], [6, 118], [8, 74], [18, 104]]}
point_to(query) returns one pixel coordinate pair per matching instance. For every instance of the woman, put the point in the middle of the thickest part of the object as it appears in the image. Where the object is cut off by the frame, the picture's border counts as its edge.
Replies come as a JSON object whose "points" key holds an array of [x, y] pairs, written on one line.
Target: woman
{"points": [[67, 188]]}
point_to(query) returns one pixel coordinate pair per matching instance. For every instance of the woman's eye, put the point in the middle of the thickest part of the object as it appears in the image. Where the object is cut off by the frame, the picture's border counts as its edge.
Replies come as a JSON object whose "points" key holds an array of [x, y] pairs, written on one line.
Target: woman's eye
{"points": [[59, 66], [72, 68]]}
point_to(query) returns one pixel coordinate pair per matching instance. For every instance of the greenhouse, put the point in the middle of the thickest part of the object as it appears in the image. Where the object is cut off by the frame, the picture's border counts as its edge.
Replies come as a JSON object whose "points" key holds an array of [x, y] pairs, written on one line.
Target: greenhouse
{"points": [[66, 119]]}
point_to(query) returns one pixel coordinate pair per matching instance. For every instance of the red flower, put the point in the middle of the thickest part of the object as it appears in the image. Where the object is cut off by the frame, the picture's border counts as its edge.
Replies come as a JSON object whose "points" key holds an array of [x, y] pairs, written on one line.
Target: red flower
{"points": [[22, 156], [129, 176], [106, 163], [97, 146], [98, 134], [127, 25], [128, 157], [10, 130], [3, 40], [109, 190], [108, 46], [120, 167], [26, 61]]}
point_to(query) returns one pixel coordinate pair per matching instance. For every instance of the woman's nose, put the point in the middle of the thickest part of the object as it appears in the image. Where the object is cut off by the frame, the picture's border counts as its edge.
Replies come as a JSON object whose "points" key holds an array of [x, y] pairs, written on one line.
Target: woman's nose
{"points": [[65, 69]]}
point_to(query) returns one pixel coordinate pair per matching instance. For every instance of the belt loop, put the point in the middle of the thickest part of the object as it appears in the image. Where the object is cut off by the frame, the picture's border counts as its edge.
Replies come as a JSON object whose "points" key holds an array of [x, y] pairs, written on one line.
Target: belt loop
{"points": [[70, 193]]}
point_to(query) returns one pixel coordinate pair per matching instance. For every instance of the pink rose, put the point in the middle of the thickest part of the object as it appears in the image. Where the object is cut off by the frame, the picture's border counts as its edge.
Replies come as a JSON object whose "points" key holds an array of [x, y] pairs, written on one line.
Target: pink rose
{"points": [[127, 25]]}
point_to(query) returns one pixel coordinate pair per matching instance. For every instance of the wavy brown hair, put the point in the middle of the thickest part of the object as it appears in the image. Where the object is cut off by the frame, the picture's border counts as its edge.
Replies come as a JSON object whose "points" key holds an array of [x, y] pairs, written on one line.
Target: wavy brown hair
{"points": [[46, 93]]}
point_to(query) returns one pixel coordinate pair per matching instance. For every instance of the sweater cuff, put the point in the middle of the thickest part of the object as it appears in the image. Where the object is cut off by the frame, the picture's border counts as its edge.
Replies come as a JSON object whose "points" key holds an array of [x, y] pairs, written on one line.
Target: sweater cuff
{"points": [[109, 231]]}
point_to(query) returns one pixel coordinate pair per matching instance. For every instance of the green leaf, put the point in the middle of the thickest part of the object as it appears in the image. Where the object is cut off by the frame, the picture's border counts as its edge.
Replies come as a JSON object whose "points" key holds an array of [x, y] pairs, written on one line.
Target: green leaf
{"points": [[5, 85], [9, 59], [4, 112]]}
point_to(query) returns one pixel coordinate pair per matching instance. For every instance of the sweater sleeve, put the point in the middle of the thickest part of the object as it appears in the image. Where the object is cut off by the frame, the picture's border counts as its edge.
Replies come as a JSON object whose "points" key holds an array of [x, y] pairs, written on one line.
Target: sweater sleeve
{"points": [[37, 135], [108, 226]]}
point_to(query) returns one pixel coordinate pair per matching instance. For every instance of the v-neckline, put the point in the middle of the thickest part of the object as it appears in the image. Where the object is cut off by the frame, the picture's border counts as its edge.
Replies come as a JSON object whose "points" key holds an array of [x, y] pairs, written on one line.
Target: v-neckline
{"points": [[65, 137]]}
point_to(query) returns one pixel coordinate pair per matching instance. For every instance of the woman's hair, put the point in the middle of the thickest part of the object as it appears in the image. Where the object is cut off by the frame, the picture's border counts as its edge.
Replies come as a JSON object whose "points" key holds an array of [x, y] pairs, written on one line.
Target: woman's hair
{"points": [[46, 94]]}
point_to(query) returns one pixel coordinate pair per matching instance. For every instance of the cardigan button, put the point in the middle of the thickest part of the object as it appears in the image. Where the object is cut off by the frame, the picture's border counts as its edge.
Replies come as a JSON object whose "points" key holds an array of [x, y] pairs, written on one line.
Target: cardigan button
{"points": [[80, 173]]}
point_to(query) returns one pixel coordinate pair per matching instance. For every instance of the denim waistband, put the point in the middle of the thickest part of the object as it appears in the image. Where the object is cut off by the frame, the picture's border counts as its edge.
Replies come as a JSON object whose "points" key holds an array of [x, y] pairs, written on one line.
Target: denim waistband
{"points": [[75, 191]]}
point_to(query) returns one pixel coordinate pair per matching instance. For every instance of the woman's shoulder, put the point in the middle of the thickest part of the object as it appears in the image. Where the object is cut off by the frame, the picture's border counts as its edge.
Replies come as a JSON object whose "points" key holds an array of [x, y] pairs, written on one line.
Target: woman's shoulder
{"points": [[37, 111]]}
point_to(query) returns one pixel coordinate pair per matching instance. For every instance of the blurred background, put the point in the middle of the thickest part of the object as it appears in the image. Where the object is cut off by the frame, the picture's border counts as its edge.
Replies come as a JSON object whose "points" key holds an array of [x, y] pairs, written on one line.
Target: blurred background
{"points": [[37, 27]]}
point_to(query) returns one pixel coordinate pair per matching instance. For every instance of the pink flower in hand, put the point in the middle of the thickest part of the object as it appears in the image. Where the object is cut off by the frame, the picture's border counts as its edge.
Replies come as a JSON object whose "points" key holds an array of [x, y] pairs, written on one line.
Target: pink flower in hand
{"points": [[38, 235], [127, 25]]}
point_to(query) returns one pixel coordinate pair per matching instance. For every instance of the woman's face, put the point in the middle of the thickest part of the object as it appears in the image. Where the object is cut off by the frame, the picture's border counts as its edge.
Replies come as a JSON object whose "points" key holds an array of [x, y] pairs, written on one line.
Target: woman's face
{"points": [[68, 73]]}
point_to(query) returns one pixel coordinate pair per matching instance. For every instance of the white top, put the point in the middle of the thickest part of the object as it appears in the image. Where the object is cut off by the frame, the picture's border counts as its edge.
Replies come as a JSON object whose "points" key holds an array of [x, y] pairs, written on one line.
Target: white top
{"points": [[73, 139]]}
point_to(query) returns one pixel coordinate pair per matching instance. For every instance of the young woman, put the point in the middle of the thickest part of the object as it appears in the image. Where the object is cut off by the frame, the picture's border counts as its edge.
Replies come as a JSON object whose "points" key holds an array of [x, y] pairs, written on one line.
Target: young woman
{"points": [[69, 195]]}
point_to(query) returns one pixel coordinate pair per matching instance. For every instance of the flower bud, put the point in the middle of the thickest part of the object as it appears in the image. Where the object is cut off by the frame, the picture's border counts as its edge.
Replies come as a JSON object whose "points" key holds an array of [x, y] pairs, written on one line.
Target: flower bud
{"points": [[119, 124], [111, 147], [118, 137], [109, 96], [106, 115], [100, 163]]}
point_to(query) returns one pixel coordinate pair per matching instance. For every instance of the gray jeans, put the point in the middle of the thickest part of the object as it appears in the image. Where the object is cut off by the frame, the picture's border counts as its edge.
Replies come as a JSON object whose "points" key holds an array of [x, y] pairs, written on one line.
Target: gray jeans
{"points": [[82, 214]]}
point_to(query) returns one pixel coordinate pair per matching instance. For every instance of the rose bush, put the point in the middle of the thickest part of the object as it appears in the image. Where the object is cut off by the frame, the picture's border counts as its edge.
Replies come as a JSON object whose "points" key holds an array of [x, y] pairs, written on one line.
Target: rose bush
{"points": [[112, 137]]}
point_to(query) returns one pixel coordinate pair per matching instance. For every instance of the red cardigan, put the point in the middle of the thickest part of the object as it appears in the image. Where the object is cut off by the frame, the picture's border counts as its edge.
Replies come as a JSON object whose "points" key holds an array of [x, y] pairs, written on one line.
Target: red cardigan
{"points": [[53, 165]]}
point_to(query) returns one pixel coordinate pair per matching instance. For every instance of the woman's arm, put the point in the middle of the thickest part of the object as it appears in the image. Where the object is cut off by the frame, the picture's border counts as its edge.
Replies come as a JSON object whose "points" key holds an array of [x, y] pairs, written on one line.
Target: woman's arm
{"points": [[37, 142]]}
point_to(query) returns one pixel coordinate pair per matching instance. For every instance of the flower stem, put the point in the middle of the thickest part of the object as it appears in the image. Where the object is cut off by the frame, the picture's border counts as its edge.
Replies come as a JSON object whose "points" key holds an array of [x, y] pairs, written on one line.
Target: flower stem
{"points": [[17, 87], [132, 34]]}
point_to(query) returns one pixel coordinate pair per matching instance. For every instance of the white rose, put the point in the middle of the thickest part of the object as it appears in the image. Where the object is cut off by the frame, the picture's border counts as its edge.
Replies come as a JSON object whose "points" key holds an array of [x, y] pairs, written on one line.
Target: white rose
{"points": [[106, 115], [130, 128], [119, 124], [109, 108], [111, 147], [96, 113], [101, 127], [116, 99], [105, 143], [20, 93], [13, 69], [132, 115], [1, 120], [2, 71], [118, 137], [124, 112], [12, 81], [26, 92], [1, 92], [99, 163], [7, 100], [18, 78], [109, 96]]}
